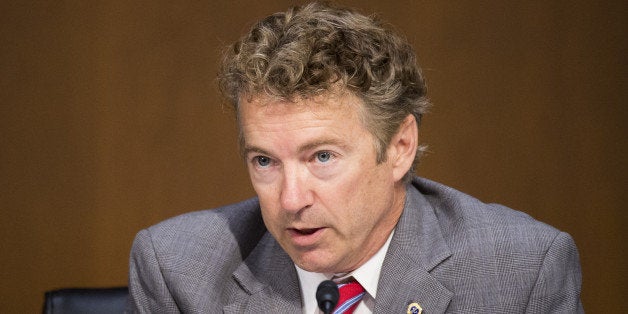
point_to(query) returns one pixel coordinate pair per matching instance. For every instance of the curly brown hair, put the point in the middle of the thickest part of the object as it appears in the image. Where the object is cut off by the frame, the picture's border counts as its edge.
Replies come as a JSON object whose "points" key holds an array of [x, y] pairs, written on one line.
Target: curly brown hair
{"points": [[308, 51]]}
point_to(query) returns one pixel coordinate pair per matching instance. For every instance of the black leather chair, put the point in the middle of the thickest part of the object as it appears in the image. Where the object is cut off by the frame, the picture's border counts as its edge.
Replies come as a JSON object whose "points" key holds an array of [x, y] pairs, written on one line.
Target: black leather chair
{"points": [[90, 300]]}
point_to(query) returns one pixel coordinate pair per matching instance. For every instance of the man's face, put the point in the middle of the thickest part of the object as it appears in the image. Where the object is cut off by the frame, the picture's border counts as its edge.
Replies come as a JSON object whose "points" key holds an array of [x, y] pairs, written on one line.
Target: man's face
{"points": [[322, 194]]}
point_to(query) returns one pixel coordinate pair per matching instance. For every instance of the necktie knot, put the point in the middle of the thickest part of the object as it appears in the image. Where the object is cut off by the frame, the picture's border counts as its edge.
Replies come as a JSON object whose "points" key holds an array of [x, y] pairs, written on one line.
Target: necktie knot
{"points": [[351, 292]]}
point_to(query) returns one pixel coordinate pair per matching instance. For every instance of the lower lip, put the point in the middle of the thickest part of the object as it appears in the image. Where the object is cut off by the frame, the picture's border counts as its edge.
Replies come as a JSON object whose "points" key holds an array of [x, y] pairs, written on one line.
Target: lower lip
{"points": [[304, 240]]}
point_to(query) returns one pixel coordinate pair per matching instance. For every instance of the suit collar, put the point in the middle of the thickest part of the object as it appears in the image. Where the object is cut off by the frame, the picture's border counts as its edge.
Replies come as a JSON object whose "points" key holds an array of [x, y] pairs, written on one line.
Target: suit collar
{"points": [[417, 247], [418, 232], [268, 280]]}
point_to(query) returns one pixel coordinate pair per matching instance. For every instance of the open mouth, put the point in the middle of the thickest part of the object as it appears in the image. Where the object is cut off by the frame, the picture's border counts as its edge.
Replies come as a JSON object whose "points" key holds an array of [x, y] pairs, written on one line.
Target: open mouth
{"points": [[306, 236], [306, 231]]}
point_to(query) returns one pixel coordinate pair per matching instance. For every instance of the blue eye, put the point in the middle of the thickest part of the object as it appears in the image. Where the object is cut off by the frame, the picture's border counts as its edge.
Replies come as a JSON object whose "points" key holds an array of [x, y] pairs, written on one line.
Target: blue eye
{"points": [[262, 161], [323, 156]]}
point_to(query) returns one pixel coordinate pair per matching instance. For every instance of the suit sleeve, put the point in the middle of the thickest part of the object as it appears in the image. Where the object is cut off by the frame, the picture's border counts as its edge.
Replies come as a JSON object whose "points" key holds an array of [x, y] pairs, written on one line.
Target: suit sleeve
{"points": [[557, 288], [147, 287]]}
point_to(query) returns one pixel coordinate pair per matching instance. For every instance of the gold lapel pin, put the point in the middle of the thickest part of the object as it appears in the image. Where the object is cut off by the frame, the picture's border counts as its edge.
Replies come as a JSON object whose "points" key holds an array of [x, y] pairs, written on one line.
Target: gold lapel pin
{"points": [[414, 308]]}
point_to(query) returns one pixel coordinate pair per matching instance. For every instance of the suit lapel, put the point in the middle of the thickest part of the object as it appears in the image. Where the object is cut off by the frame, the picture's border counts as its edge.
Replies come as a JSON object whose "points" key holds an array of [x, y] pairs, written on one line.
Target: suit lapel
{"points": [[417, 247], [268, 281]]}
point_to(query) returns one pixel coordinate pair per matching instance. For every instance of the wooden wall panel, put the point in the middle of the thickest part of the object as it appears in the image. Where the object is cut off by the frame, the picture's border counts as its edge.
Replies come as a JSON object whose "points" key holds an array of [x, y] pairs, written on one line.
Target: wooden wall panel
{"points": [[111, 122]]}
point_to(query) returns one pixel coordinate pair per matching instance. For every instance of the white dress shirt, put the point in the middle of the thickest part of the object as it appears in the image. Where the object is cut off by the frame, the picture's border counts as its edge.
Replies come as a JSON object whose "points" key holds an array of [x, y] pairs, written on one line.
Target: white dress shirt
{"points": [[367, 275]]}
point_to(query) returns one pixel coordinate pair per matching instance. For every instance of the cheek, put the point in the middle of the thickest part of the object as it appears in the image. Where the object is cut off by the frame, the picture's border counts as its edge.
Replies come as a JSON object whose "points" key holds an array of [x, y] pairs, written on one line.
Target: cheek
{"points": [[269, 206], [267, 192], [372, 193], [345, 199], [272, 220]]}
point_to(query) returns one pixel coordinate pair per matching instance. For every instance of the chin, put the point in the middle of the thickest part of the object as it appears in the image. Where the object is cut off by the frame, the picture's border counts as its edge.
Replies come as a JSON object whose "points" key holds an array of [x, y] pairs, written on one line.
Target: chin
{"points": [[316, 265]]}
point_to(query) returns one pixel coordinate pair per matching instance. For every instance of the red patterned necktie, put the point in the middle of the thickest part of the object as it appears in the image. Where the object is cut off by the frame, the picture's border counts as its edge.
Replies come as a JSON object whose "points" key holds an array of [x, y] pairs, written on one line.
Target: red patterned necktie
{"points": [[351, 293]]}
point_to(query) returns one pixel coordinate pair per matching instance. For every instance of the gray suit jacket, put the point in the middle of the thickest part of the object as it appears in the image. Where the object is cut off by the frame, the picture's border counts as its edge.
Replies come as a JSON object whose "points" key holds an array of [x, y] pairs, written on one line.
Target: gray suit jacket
{"points": [[450, 253]]}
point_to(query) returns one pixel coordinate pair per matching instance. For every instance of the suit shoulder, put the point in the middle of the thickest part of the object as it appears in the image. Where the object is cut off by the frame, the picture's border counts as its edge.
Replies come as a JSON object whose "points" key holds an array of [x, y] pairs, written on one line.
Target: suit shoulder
{"points": [[195, 254], [232, 225], [496, 254], [461, 215]]}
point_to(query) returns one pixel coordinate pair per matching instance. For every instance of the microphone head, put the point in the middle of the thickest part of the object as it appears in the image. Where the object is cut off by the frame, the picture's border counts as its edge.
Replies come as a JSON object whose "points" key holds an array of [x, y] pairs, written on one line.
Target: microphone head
{"points": [[327, 296]]}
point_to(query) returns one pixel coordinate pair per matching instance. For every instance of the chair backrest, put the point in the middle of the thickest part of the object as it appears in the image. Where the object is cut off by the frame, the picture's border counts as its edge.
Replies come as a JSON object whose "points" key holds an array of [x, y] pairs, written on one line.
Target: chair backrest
{"points": [[86, 300]]}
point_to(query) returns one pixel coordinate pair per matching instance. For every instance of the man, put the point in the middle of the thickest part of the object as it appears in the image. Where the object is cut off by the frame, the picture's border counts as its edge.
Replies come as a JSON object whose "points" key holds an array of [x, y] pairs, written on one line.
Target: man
{"points": [[328, 104]]}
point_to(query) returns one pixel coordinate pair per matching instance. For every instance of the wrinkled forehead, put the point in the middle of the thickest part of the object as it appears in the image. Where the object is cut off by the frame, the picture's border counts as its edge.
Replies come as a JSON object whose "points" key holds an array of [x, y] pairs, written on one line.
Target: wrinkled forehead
{"points": [[339, 101], [344, 106], [321, 106]]}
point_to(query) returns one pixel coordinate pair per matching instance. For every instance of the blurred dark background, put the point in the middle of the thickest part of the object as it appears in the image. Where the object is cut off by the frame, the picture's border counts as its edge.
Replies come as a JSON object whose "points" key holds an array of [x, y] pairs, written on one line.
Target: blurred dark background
{"points": [[111, 122]]}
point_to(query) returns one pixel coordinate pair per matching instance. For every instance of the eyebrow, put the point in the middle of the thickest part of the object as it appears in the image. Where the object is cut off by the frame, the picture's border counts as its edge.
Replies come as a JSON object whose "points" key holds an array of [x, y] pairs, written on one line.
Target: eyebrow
{"points": [[307, 146], [322, 142], [254, 149]]}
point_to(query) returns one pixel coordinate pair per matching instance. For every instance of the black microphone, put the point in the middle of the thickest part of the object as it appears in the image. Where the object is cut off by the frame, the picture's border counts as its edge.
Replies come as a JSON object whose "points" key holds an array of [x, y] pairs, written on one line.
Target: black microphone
{"points": [[327, 296]]}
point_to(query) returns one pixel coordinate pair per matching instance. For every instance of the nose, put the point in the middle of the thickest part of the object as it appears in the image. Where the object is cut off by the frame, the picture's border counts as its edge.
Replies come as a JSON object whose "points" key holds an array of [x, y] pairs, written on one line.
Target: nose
{"points": [[295, 192]]}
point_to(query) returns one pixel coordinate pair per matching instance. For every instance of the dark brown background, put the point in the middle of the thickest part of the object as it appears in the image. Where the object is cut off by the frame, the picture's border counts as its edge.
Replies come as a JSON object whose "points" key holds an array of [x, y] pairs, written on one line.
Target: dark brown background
{"points": [[111, 122]]}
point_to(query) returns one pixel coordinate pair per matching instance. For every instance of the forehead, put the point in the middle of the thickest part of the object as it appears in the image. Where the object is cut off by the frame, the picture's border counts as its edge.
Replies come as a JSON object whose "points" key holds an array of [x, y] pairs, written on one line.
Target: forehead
{"points": [[337, 106], [266, 122]]}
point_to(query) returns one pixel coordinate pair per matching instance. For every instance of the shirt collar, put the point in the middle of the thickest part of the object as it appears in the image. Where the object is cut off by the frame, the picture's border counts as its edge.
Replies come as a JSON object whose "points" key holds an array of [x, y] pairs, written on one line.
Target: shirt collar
{"points": [[367, 275]]}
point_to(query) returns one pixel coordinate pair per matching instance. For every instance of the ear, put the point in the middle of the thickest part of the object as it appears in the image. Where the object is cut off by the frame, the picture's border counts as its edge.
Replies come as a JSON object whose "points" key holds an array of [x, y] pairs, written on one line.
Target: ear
{"points": [[403, 146]]}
